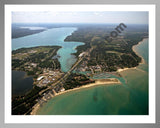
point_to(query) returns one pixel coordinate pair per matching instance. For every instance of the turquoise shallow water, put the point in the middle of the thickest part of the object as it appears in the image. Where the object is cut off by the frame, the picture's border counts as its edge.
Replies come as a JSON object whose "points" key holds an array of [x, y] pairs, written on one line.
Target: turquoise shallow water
{"points": [[130, 98], [50, 37]]}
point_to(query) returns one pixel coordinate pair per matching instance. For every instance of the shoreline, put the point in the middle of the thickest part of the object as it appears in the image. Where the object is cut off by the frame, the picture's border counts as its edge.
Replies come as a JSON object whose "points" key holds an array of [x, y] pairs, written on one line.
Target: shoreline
{"points": [[142, 59], [97, 82], [106, 82], [133, 48]]}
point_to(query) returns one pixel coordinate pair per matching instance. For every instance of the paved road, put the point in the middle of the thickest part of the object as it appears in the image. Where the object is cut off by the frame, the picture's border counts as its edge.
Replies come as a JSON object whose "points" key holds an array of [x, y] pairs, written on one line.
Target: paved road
{"points": [[62, 80]]}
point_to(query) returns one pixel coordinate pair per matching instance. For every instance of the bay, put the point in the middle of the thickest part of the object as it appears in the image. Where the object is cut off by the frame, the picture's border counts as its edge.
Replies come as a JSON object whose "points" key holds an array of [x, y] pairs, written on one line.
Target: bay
{"points": [[21, 83], [50, 37], [130, 98]]}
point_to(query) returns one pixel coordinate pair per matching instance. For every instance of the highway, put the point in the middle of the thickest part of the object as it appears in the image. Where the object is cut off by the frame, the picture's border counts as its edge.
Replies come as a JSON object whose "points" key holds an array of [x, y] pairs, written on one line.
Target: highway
{"points": [[62, 80]]}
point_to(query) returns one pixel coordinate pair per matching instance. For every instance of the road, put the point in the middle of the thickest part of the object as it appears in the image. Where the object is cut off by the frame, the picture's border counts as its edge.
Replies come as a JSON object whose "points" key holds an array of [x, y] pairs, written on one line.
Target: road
{"points": [[62, 80]]}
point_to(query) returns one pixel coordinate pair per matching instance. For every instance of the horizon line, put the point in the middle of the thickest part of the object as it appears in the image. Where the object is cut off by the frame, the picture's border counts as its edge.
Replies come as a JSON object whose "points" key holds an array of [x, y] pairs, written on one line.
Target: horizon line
{"points": [[74, 23]]}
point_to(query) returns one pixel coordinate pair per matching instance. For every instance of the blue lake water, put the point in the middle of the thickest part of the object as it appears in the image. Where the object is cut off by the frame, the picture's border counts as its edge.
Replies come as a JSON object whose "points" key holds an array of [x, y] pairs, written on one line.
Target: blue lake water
{"points": [[130, 98], [50, 37]]}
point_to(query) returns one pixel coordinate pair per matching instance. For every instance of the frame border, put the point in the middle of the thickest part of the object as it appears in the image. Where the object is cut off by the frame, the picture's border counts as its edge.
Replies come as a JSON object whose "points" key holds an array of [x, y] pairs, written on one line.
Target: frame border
{"points": [[3, 2]]}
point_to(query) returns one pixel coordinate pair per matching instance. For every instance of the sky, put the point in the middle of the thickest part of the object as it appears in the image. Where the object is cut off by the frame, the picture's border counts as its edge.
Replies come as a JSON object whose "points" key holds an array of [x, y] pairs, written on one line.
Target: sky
{"points": [[132, 17]]}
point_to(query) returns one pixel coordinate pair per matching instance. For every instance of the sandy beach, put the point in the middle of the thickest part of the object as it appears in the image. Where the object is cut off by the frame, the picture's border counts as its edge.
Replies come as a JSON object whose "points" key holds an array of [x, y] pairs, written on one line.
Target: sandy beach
{"points": [[124, 69], [107, 82], [142, 60], [133, 48]]}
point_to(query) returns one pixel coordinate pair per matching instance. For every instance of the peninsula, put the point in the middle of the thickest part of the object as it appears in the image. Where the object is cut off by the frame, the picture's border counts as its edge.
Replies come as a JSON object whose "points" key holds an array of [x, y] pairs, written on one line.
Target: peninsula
{"points": [[97, 55]]}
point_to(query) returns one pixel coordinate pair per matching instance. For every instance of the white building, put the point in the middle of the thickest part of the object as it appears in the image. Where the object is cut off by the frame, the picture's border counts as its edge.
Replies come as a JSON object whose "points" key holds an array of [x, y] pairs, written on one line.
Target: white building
{"points": [[39, 78], [80, 55]]}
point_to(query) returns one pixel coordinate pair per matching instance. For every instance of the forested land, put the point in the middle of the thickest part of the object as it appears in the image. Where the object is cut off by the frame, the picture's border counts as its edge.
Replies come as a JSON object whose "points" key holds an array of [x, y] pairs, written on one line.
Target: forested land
{"points": [[76, 80], [33, 60], [23, 104], [109, 55]]}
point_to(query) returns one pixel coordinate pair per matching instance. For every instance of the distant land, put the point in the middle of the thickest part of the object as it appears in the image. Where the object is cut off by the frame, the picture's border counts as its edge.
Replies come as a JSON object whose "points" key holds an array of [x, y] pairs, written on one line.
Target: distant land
{"points": [[17, 30], [96, 56]]}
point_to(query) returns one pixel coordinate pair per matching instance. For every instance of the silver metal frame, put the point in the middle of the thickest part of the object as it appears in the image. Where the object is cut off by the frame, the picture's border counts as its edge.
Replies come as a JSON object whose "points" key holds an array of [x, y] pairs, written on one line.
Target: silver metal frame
{"points": [[4, 2]]}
